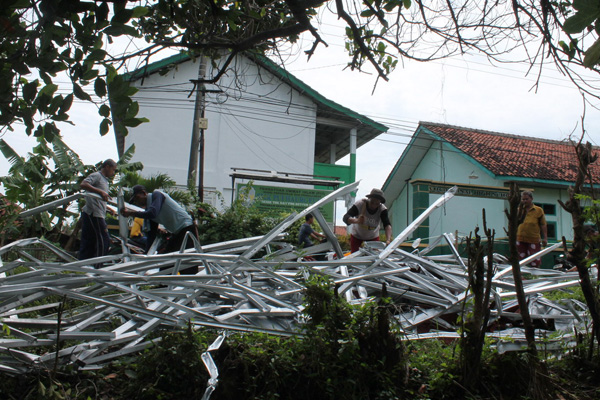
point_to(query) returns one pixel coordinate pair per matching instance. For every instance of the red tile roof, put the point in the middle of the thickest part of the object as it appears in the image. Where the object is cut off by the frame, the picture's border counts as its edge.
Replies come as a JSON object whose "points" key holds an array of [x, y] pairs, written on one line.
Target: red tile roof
{"points": [[516, 156]]}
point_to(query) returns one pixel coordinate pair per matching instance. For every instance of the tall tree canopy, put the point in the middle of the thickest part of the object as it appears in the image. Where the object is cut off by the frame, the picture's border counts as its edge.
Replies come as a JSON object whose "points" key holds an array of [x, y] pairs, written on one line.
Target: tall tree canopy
{"points": [[42, 39]]}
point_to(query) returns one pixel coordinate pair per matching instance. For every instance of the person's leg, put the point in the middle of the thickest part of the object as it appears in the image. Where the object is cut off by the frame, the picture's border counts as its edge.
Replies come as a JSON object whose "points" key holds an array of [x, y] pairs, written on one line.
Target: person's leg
{"points": [[174, 245], [522, 249], [354, 244], [86, 246], [535, 248], [103, 236]]}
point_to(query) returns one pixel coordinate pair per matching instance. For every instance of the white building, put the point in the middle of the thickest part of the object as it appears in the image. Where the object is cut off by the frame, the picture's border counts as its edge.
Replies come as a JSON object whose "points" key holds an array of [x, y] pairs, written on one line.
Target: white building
{"points": [[263, 125]]}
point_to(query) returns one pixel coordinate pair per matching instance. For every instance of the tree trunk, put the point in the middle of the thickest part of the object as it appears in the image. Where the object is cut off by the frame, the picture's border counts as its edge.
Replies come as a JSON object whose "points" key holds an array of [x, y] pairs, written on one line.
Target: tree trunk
{"points": [[475, 325], [514, 199], [577, 254]]}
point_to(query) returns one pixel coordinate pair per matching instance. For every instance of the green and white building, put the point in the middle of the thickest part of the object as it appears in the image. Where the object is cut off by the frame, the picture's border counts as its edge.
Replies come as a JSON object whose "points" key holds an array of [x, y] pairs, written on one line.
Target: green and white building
{"points": [[482, 165]]}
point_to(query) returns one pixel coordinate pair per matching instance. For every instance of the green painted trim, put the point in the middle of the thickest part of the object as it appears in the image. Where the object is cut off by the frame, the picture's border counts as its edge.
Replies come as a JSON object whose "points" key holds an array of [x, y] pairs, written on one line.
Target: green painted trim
{"points": [[342, 172], [399, 162], [353, 167], [156, 66], [303, 88], [420, 203], [276, 70], [424, 130], [457, 150], [566, 184]]}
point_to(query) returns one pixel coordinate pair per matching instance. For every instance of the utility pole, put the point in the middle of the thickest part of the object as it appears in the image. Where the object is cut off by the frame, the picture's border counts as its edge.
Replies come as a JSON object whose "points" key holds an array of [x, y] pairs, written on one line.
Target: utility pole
{"points": [[198, 127]]}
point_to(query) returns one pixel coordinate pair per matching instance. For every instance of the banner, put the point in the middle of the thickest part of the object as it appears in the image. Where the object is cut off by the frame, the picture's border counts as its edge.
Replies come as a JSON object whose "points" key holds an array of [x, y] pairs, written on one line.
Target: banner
{"points": [[278, 200]]}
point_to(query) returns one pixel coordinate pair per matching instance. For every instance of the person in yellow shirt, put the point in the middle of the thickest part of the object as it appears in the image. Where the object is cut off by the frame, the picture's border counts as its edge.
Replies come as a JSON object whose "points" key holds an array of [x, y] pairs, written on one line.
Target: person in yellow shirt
{"points": [[532, 229], [136, 234]]}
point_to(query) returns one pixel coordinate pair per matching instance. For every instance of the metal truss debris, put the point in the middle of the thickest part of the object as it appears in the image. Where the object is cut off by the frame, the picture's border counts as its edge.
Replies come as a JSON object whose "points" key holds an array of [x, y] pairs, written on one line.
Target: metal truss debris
{"points": [[57, 310]]}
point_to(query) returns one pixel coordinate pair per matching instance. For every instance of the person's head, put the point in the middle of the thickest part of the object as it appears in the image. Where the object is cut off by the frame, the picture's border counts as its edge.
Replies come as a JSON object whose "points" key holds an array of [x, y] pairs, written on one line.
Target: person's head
{"points": [[375, 198], [526, 198], [109, 168], [139, 195], [590, 230], [309, 218]]}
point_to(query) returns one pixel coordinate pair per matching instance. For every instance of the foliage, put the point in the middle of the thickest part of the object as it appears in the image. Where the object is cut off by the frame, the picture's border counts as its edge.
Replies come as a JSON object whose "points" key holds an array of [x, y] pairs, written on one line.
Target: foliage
{"points": [[51, 172], [42, 40], [173, 368], [240, 220], [47, 174]]}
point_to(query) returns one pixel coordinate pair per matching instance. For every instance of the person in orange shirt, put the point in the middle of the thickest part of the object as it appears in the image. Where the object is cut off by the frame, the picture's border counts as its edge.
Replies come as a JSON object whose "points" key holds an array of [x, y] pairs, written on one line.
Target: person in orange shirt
{"points": [[532, 232]]}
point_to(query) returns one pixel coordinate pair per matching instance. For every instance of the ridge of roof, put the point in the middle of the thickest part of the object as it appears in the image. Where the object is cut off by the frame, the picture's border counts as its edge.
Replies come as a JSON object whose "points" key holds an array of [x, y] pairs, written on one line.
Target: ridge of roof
{"points": [[303, 88], [156, 66], [272, 67], [494, 133], [509, 156]]}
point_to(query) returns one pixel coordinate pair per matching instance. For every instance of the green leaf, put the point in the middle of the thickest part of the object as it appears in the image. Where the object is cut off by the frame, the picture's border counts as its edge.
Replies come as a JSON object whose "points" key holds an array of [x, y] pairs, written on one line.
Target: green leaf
{"points": [[133, 109], [587, 12], [67, 102], [100, 87], [367, 13], [48, 90], [80, 93], [104, 111], [122, 16], [55, 104], [406, 3], [133, 122], [30, 90], [89, 74], [139, 12], [96, 55], [592, 55], [104, 126], [60, 117]]}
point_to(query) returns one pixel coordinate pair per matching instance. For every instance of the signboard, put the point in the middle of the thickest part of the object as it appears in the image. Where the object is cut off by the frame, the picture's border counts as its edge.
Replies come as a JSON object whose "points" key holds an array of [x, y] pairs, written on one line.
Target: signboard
{"points": [[465, 190], [277, 199]]}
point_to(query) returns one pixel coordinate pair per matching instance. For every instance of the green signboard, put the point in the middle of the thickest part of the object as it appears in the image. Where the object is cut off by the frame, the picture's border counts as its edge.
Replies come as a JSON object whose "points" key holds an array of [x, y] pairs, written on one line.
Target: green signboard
{"points": [[277, 199]]}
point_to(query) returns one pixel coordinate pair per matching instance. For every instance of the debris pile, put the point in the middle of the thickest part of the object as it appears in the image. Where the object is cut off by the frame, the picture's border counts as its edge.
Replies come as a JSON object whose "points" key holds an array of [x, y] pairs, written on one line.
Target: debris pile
{"points": [[253, 284]]}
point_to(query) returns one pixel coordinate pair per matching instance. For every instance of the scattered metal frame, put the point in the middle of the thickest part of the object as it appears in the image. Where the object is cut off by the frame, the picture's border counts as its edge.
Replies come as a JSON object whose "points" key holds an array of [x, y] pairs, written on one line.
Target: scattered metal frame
{"points": [[254, 284]]}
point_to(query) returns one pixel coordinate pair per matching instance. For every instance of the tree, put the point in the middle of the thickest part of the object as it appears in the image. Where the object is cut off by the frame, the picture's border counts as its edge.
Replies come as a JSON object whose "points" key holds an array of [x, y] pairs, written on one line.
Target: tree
{"points": [[43, 39], [577, 255]]}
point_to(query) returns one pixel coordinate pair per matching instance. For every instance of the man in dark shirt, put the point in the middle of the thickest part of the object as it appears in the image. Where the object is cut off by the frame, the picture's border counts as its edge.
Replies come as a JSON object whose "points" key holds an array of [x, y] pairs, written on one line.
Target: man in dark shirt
{"points": [[162, 209], [306, 232]]}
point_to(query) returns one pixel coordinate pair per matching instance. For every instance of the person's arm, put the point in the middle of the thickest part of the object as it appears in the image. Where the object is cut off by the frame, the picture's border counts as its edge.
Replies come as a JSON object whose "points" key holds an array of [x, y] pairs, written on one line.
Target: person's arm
{"points": [[544, 231], [385, 220], [86, 185], [317, 235], [151, 212], [351, 217]]}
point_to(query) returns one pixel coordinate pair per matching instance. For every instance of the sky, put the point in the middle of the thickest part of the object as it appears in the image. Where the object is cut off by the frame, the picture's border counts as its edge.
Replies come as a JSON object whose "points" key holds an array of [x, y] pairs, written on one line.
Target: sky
{"points": [[463, 91]]}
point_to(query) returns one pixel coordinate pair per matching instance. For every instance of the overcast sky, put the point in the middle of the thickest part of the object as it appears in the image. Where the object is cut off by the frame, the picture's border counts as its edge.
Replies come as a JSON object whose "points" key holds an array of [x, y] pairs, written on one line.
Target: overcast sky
{"points": [[464, 92]]}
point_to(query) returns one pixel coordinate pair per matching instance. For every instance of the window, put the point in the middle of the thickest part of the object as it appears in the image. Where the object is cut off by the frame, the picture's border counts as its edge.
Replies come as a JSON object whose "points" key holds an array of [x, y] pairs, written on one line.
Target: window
{"points": [[551, 230], [549, 209]]}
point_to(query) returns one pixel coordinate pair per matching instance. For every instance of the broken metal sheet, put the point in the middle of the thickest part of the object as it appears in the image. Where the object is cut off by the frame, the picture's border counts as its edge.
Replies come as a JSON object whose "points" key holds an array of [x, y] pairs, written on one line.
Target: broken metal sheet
{"points": [[247, 285]]}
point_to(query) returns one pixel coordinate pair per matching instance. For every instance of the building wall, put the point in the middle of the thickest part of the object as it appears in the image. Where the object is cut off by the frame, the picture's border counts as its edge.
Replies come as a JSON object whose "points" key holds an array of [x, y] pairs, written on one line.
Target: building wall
{"points": [[254, 122], [463, 213]]}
